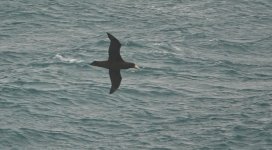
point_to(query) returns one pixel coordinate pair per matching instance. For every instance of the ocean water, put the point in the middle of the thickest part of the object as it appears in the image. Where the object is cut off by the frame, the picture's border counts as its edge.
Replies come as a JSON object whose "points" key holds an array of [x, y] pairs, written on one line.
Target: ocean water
{"points": [[205, 80]]}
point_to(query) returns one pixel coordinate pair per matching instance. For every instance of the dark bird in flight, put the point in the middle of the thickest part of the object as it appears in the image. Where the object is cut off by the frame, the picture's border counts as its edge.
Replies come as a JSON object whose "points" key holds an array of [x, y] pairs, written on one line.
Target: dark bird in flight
{"points": [[114, 63]]}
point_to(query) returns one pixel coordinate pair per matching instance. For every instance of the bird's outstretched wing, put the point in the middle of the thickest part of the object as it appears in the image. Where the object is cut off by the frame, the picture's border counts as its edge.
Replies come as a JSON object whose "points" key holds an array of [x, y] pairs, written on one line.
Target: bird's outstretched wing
{"points": [[116, 78], [114, 50]]}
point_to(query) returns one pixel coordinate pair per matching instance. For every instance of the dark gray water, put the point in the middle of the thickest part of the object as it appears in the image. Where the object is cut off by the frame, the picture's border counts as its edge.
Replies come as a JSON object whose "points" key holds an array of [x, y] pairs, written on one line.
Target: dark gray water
{"points": [[205, 80]]}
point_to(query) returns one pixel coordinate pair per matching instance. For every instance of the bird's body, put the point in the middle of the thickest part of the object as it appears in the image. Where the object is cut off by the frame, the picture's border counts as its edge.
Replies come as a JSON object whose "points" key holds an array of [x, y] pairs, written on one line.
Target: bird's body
{"points": [[114, 63]]}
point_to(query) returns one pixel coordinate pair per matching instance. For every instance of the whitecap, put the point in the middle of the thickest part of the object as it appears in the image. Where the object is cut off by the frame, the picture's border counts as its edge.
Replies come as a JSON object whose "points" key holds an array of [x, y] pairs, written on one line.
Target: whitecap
{"points": [[67, 59]]}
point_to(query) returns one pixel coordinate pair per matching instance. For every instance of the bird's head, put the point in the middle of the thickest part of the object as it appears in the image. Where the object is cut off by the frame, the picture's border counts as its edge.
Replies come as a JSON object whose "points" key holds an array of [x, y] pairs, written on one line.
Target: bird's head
{"points": [[132, 65]]}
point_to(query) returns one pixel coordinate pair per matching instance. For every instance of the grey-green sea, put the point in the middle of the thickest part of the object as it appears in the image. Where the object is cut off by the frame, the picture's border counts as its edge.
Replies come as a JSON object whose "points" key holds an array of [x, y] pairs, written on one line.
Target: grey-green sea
{"points": [[204, 83]]}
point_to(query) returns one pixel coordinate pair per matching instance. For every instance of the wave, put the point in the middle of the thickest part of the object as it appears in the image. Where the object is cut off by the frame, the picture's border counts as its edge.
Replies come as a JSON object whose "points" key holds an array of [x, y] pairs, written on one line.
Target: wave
{"points": [[67, 59]]}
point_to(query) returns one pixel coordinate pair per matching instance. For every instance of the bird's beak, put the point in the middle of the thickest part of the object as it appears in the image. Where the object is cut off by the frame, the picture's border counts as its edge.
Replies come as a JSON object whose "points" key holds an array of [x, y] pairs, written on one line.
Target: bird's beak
{"points": [[137, 67]]}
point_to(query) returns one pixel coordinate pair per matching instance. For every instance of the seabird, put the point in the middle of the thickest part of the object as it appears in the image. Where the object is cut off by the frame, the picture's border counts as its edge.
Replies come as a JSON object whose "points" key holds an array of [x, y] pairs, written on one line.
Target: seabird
{"points": [[114, 63]]}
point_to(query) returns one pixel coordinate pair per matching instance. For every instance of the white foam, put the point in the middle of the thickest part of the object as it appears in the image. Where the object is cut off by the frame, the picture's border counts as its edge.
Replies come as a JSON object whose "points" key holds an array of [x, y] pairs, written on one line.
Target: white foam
{"points": [[67, 59]]}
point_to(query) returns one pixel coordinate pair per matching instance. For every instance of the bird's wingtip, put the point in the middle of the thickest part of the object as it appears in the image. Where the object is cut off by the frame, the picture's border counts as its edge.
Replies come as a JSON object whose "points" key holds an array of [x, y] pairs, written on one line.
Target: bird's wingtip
{"points": [[112, 38], [108, 34], [111, 92]]}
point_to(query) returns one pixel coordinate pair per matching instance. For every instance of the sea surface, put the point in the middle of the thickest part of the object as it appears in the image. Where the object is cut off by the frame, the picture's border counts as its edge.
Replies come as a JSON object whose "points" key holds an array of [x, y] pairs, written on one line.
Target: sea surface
{"points": [[204, 83]]}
